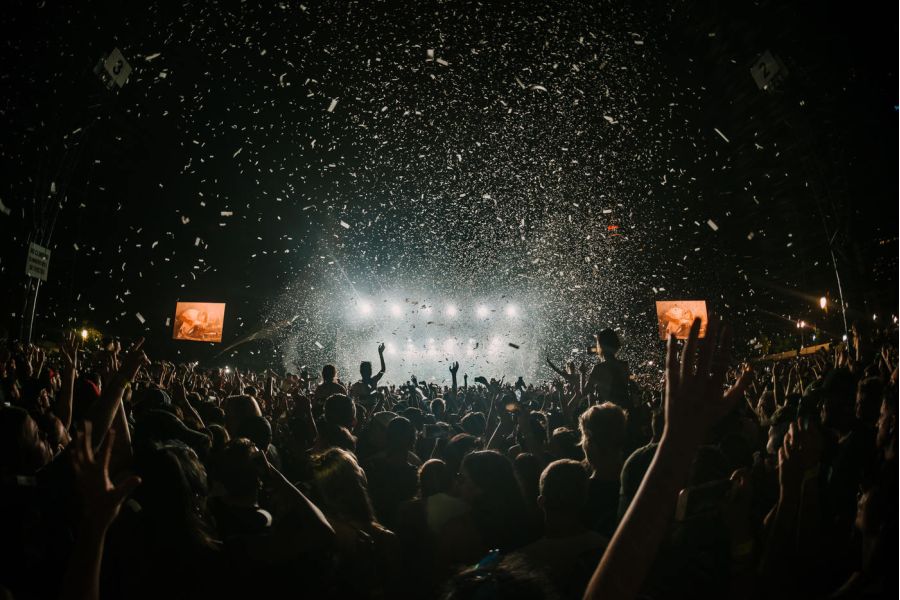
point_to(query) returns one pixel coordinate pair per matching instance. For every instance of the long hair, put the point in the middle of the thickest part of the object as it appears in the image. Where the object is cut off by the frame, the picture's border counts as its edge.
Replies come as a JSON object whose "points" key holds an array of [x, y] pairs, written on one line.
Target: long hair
{"points": [[173, 497], [500, 511], [342, 486]]}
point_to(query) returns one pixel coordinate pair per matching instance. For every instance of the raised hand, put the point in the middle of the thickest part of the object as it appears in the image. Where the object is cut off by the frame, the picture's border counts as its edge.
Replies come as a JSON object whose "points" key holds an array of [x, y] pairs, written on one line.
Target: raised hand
{"points": [[133, 360], [381, 348], [102, 499], [69, 350], [790, 467], [695, 400], [454, 368], [805, 444]]}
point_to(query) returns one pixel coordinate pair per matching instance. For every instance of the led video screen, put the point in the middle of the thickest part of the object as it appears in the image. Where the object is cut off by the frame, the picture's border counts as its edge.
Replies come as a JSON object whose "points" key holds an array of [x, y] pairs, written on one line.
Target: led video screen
{"points": [[675, 317], [199, 321]]}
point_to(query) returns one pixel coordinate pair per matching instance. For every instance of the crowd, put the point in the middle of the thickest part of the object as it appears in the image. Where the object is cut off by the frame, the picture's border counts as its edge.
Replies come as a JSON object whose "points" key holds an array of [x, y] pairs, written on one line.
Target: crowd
{"points": [[125, 477]]}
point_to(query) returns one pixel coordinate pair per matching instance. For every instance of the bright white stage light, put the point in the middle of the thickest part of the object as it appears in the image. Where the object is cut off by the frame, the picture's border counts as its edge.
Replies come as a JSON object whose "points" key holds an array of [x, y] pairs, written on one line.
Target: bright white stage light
{"points": [[512, 311], [450, 310], [482, 311], [396, 310], [365, 308]]}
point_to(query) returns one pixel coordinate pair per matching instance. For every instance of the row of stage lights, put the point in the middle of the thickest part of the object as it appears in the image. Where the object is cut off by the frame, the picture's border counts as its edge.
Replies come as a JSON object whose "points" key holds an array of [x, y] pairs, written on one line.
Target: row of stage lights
{"points": [[482, 311], [450, 346]]}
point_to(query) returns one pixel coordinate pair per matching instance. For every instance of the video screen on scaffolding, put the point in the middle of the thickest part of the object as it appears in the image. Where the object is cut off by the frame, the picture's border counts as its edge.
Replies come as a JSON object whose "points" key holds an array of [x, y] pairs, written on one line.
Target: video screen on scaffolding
{"points": [[675, 317], [199, 321]]}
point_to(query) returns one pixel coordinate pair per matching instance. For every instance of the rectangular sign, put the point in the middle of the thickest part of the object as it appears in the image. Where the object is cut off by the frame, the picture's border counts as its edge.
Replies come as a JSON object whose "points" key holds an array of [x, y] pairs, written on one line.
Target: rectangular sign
{"points": [[38, 262], [676, 316], [199, 321]]}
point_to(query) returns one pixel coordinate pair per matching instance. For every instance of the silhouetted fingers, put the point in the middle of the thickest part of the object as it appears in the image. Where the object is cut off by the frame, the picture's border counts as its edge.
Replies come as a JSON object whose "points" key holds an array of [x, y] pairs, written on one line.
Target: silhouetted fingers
{"points": [[689, 352]]}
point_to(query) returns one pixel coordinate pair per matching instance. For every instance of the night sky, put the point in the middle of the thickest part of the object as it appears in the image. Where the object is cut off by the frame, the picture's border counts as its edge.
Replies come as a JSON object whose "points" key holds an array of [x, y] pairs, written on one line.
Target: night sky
{"points": [[582, 158]]}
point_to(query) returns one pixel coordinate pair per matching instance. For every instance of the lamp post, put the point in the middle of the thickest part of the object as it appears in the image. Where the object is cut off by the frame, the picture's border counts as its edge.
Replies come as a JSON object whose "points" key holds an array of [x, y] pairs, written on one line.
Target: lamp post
{"points": [[801, 325]]}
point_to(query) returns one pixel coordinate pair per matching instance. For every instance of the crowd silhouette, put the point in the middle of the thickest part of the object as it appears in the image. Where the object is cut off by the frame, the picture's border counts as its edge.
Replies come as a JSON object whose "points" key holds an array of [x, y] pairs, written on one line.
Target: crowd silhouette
{"points": [[126, 477]]}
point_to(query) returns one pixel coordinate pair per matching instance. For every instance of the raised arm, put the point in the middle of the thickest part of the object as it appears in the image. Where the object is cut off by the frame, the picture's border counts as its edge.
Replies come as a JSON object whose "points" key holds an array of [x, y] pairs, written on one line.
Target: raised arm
{"points": [[101, 500], [381, 360], [556, 369], [291, 500], [69, 350], [104, 410], [454, 369], [694, 402]]}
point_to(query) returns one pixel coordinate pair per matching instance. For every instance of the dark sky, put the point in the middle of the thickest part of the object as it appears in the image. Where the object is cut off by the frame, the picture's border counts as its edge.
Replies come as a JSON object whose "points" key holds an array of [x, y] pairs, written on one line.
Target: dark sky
{"points": [[475, 149]]}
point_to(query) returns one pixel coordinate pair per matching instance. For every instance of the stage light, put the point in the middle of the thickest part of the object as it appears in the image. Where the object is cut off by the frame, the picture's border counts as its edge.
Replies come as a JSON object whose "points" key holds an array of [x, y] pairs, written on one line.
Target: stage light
{"points": [[449, 343], [396, 310], [844, 337], [823, 302], [512, 311], [227, 370], [874, 317], [365, 308], [84, 334], [482, 311], [450, 310], [390, 349]]}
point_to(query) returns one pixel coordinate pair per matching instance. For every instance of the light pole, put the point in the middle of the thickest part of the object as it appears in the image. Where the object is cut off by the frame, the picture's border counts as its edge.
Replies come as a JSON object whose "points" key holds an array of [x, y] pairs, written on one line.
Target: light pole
{"points": [[801, 325]]}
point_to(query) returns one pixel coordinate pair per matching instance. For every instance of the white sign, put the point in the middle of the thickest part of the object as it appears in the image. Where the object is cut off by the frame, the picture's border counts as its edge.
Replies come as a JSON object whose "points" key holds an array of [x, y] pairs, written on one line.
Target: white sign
{"points": [[38, 262]]}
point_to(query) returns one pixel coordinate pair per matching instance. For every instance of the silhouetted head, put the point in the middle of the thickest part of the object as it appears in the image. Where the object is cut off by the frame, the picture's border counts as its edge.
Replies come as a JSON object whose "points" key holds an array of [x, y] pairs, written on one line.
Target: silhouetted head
{"points": [[340, 410], [609, 342], [329, 373], [602, 430], [365, 369], [401, 435], [563, 487]]}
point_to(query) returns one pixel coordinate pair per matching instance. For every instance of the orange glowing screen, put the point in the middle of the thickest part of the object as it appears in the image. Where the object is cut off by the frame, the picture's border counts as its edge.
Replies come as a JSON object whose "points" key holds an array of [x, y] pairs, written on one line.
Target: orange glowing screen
{"points": [[199, 321], [676, 316]]}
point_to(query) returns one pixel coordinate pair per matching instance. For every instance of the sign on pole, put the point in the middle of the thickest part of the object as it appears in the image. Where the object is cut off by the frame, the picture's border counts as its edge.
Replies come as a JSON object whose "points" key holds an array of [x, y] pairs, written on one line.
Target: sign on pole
{"points": [[38, 262]]}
